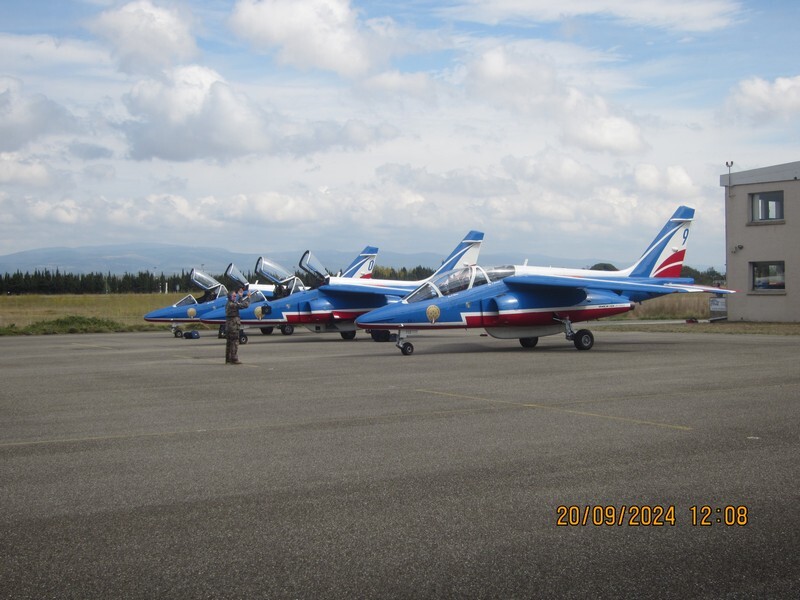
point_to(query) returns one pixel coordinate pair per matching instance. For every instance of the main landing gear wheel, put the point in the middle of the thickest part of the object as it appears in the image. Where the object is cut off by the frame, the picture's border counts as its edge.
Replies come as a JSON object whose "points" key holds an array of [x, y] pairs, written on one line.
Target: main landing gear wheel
{"points": [[266, 330], [348, 335], [529, 342], [221, 333], [381, 335], [177, 332], [287, 329], [242, 337], [583, 340]]}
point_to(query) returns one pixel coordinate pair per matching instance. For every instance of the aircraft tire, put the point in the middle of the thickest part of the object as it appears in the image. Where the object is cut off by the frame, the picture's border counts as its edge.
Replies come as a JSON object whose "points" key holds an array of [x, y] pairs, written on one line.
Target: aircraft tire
{"points": [[266, 330], [583, 340], [348, 335], [407, 349], [178, 333], [381, 335], [243, 337], [287, 329], [221, 332], [529, 342]]}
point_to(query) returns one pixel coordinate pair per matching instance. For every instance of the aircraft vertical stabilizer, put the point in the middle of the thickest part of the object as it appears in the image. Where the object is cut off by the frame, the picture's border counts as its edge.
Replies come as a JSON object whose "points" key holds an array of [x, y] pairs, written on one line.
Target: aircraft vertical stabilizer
{"points": [[362, 266], [465, 254], [665, 255]]}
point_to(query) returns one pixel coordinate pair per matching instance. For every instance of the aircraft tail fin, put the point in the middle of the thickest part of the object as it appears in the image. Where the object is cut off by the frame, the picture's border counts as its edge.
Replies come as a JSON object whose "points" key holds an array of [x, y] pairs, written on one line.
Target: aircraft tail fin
{"points": [[466, 253], [362, 266], [665, 255]]}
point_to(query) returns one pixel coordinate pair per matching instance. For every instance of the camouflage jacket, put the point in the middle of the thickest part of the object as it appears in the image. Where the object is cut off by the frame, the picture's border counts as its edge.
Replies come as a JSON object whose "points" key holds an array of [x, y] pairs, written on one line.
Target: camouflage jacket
{"points": [[232, 307]]}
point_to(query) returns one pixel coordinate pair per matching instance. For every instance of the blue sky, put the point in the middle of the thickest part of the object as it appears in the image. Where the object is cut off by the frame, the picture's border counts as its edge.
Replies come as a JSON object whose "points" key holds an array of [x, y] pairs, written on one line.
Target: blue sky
{"points": [[571, 129]]}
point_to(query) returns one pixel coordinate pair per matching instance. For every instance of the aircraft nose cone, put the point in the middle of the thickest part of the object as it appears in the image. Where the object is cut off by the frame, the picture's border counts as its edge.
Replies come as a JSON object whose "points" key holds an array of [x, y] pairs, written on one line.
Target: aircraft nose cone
{"points": [[160, 314], [379, 315], [364, 319]]}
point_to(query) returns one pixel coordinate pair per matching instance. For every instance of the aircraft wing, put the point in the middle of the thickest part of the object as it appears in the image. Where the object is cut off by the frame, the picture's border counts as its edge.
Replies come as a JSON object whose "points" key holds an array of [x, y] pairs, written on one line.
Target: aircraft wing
{"points": [[372, 290], [620, 284]]}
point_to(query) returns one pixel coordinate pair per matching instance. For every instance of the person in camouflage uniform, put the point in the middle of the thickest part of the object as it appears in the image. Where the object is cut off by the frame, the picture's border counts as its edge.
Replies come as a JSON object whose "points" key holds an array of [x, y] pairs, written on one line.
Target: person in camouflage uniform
{"points": [[237, 300]]}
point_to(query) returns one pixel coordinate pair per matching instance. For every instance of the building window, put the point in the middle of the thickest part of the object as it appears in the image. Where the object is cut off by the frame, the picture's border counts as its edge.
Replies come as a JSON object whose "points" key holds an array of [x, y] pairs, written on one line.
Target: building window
{"points": [[768, 276], [766, 206]]}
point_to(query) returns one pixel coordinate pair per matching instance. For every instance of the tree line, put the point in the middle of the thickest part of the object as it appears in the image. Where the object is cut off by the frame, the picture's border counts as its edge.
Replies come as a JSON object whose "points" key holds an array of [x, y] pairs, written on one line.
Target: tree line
{"points": [[46, 281], [56, 282], [146, 282]]}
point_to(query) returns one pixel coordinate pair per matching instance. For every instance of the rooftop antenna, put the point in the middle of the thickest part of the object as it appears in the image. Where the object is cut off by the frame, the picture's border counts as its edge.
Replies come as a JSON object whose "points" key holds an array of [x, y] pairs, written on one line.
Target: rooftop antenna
{"points": [[729, 164]]}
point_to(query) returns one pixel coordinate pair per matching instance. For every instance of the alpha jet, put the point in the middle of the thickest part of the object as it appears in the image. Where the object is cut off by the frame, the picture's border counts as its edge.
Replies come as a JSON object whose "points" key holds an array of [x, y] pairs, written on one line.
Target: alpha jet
{"points": [[189, 308], [333, 306], [525, 302], [359, 270]]}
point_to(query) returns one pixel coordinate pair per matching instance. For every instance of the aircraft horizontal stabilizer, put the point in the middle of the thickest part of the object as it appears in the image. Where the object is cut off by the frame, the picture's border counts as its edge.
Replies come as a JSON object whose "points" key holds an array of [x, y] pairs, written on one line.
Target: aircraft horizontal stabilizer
{"points": [[652, 285], [701, 288]]}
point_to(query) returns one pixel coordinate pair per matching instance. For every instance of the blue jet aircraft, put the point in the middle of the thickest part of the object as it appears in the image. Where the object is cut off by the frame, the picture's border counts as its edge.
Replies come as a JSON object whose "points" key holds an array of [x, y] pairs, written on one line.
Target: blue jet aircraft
{"points": [[334, 305], [527, 303], [189, 309], [285, 283]]}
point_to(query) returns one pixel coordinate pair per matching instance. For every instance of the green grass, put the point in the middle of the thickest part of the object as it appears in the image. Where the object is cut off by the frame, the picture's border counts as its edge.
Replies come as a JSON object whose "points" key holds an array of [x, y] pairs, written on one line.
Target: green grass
{"points": [[732, 327], [104, 313], [128, 309], [89, 313], [674, 306], [69, 324]]}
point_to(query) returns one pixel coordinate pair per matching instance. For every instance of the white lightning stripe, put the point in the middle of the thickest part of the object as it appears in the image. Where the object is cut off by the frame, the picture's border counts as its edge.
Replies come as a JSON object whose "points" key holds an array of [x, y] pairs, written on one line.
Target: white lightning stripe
{"points": [[518, 311]]}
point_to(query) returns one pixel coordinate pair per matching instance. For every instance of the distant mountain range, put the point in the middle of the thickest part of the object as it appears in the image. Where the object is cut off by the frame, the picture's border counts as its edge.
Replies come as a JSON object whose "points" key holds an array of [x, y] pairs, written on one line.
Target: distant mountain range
{"points": [[169, 259]]}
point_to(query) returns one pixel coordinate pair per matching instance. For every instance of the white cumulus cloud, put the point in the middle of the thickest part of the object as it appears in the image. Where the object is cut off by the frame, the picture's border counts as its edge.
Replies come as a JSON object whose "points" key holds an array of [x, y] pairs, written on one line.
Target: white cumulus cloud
{"points": [[193, 113], [146, 38], [590, 124], [759, 99], [675, 182], [520, 79], [317, 34], [26, 117], [14, 171]]}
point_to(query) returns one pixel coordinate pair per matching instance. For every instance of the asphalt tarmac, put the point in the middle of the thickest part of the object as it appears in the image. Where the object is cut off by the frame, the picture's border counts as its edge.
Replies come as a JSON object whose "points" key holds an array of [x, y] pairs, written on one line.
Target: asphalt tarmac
{"points": [[141, 466]]}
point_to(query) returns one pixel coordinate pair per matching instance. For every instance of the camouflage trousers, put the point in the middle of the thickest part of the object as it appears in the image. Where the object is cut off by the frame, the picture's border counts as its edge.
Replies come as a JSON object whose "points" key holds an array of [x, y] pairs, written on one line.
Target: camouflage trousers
{"points": [[232, 346]]}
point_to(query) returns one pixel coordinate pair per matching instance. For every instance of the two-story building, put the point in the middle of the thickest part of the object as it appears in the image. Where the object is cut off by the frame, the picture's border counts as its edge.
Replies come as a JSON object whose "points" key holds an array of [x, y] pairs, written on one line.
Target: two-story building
{"points": [[762, 237]]}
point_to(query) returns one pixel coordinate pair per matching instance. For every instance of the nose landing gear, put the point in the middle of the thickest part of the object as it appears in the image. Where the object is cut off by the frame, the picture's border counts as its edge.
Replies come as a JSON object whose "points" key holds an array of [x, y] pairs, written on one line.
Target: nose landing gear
{"points": [[407, 348]]}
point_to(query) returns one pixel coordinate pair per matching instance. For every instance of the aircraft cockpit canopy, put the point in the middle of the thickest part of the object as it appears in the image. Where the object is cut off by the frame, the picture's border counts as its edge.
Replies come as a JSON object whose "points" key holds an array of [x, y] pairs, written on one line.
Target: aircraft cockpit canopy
{"points": [[186, 301], [235, 275], [272, 270], [292, 285], [257, 296], [311, 265], [458, 280], [208, 296], [204, 280], [285, 281]]}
